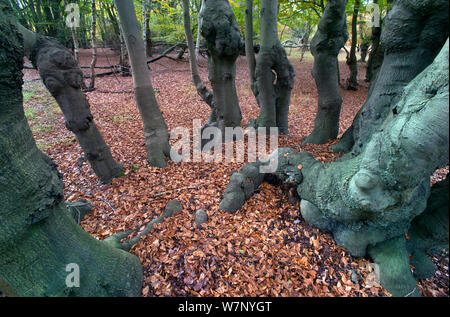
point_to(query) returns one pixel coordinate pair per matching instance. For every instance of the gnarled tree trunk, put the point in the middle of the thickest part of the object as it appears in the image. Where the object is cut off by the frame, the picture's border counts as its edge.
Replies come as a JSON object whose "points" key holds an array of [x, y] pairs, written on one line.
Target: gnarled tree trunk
{"points": [[331, 35], [38, 237], [413, 32], [63, 78], [155, 129], [352, 62], [223, 40]]}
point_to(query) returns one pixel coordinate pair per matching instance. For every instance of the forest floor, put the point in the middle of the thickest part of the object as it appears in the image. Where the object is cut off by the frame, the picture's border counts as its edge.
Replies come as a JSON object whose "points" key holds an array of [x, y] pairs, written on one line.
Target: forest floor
{"points": [[264, 249]]}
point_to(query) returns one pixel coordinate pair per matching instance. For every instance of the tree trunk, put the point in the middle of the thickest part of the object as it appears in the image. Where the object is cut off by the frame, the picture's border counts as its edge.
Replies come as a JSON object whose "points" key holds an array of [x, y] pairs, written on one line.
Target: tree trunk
{"points": [[220, 30], [155, 129], [273, 98], [63, 78], [94, 45], [330, 37], [38, 237], [370, 202], [352, 62], [364, 50], [249, 50], [199, 33], [202, 90], [148, 35], [412, 35], [146, 7]]}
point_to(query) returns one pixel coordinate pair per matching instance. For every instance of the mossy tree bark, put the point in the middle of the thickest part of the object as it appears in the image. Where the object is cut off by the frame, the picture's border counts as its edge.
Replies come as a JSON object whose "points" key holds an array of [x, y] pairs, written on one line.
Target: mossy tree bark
{"points": [[38, 237], [63, 78], [412, 35], [330, 37], [220, 30], [369, 201], [352, 62], [155, 128], [274, 74]]}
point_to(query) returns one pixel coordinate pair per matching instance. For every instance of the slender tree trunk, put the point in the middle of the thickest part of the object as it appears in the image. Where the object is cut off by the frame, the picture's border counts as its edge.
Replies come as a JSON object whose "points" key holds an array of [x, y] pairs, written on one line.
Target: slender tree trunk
{"points": [[144, 24], [375, 38], [94, 45], [330, 37], [155, 129], [202, 90], [407, 51], [221, 32], [39, 241], [148, 35], [273, 98], [352, 62], [249, 50], [364, 50], [369, 201]]}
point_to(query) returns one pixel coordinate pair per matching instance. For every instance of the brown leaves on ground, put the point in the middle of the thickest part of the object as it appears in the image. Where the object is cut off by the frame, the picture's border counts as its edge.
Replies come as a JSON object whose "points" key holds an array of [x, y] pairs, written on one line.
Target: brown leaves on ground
{"points": [[265, 249]]}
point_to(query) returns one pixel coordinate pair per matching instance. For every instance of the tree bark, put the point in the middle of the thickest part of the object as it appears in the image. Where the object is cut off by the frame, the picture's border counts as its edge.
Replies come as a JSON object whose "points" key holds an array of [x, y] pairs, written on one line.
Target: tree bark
{"points": [[330, 37], [94, 45], [412, 35], [352, 62], [273, 98], [202, 90], [223, 40], [155, 129], [63, 78], [38, 237], [146, 9], [249, 50]]}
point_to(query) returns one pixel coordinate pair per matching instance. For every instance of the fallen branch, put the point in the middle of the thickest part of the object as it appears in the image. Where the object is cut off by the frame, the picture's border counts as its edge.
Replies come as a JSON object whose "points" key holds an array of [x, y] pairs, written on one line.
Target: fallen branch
{"points": [[176, 190], [172, 208]]}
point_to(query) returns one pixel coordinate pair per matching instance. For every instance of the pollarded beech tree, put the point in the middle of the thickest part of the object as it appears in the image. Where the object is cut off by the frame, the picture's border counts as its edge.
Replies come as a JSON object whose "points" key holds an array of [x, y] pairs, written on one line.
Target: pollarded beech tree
{"points": [[371, 201], [221, 33], [352, 62], [62, 76], [274, 74], [330, 37], [38, 237], [412, 35], [155, 128]]}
